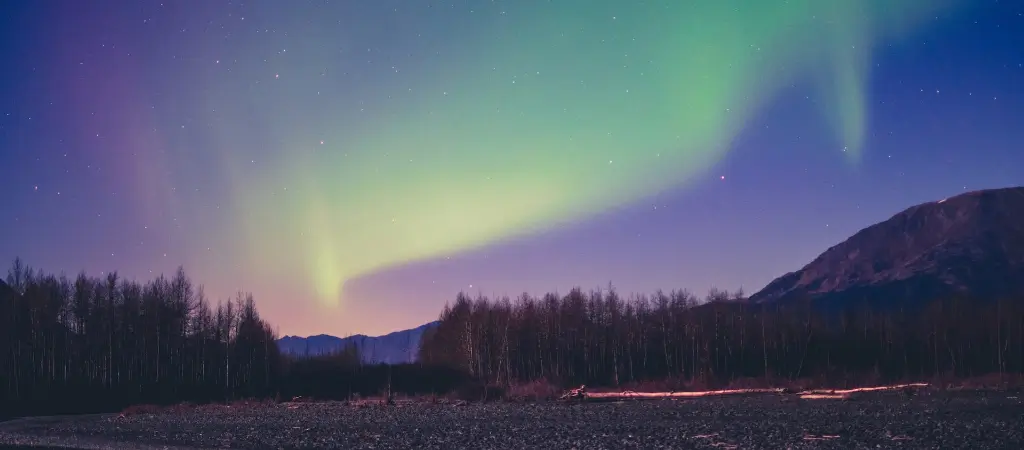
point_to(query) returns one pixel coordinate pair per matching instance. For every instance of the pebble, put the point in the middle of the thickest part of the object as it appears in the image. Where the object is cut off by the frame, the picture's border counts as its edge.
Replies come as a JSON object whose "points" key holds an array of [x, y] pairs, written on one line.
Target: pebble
{"points": [[930, 420]]}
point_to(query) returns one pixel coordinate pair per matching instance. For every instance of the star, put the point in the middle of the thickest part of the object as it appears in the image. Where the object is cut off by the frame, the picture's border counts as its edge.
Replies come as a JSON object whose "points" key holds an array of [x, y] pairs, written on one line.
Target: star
{"points": [[401, 150]]}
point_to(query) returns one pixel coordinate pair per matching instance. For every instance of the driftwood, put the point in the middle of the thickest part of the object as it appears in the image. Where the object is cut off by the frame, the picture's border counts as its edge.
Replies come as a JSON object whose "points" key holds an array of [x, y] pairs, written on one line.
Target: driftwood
{"points": [[844, 394], [581, 393]]}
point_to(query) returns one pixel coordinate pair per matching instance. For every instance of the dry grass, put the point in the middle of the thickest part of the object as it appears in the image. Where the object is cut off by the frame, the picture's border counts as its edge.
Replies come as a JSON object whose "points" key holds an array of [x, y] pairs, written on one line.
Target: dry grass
{"points": [[993, 381], [533, 391], [143, 409]]}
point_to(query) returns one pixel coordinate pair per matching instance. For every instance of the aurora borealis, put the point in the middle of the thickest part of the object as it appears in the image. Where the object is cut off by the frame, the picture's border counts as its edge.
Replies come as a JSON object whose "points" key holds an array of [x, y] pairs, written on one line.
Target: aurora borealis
{"points": [[350, 160], [584, 112]]}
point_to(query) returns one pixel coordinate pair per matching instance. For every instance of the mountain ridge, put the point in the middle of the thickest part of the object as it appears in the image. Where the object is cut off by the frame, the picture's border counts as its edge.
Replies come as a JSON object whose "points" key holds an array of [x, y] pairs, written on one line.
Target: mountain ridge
{"points": [[397, 347], [971, 244]]}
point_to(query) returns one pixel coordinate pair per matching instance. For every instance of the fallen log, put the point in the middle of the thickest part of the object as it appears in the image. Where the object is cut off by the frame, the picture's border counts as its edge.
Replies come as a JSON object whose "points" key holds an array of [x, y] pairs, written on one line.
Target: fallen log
{"points": [[866, 389], [581, 393], [844, 394], [575, 394], [681, 394], [824, 396]]}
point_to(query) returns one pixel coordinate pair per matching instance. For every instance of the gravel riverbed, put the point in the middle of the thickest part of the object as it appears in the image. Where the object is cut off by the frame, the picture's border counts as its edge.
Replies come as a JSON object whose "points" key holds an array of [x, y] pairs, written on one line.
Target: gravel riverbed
{"points": [[990, 420]]}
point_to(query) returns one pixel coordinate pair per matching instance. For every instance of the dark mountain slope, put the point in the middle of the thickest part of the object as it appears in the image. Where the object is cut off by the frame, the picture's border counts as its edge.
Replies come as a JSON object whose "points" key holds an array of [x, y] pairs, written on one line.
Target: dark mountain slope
{"points": [[393, 348], [969, 245]]}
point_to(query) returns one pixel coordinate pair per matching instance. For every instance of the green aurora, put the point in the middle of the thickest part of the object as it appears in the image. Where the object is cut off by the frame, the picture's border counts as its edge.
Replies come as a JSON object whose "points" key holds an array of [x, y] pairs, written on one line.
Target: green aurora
{"points": [[547, 115]]}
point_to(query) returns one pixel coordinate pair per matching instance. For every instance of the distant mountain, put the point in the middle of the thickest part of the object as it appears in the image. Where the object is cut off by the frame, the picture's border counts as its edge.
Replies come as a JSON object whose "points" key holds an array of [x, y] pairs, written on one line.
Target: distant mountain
{"points": [[971, 244], [394, 348]]}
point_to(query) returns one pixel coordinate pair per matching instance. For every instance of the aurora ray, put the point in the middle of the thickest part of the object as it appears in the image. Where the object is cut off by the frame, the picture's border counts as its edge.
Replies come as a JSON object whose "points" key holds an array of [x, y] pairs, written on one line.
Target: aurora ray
{"points": [[542, 114]]}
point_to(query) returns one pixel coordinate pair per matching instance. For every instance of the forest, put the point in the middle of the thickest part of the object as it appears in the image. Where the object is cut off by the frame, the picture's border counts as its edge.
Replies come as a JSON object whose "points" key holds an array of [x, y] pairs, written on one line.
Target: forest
{"points": [[598, 338], [90, 344], [101, 344]]}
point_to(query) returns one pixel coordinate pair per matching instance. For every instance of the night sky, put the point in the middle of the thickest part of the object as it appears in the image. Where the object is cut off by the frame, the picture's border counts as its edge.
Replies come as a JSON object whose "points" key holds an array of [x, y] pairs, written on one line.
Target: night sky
{"points": [[355, 164]]}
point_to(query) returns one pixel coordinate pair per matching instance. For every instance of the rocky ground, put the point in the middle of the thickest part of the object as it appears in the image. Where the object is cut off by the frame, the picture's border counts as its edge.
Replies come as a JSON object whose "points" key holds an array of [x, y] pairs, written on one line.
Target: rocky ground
{"points": [[947, 420]]}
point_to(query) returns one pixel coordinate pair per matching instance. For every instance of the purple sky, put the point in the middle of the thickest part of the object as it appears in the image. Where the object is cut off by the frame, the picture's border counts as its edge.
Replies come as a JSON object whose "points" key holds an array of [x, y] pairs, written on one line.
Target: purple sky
{"points": [[945, 108]]}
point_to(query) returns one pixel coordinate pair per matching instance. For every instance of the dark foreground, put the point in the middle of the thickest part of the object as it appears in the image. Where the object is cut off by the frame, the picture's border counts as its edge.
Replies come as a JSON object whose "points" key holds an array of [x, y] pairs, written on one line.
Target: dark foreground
{"points": [[990, 420]]}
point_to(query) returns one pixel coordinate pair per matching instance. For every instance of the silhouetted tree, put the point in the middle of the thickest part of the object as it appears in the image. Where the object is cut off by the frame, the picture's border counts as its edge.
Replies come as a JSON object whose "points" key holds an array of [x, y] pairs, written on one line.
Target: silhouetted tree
{"points": [[107, 342], [103, 343], [601, 339]]}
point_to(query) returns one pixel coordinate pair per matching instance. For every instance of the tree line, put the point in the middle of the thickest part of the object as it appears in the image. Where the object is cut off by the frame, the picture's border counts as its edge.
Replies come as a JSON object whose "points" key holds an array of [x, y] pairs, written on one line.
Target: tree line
{"points": [[102, 343], [599, 338], [97, 340], [90, 344]]}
